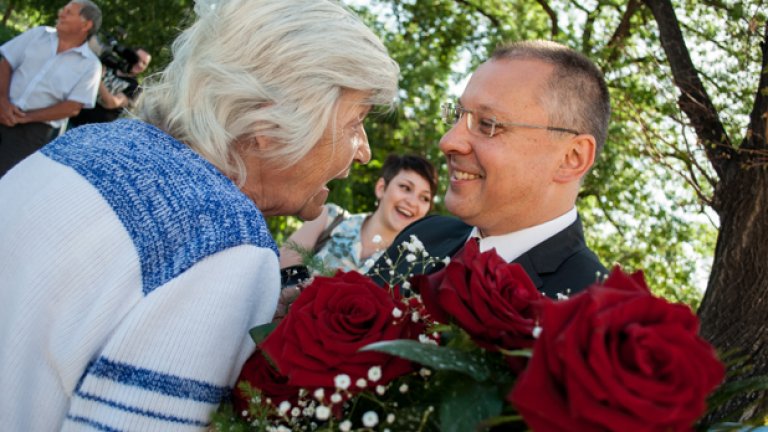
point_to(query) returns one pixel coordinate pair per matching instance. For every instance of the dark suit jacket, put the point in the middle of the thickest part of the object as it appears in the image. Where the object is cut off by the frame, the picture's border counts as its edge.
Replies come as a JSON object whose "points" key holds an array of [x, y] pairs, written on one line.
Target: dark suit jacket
{"points": [[560, 264]]}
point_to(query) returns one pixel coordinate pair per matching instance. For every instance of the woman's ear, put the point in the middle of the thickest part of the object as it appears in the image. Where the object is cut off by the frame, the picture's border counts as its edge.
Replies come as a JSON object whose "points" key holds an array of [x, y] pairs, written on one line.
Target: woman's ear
{"points": [[577, 160], [261, 142], [380, 187]]}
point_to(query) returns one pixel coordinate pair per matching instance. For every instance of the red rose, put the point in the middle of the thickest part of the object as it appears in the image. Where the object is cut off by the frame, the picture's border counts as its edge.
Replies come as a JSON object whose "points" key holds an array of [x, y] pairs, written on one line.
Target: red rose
{"points": [[261, 375], [495, 302], [331, 320], [615, 358]]}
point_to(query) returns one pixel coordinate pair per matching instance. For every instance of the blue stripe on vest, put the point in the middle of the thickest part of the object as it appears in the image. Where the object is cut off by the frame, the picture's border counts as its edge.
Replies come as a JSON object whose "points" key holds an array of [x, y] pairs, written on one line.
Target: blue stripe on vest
{"points": [[139, 411], [92, 423], [176, 206], [158, 382]]}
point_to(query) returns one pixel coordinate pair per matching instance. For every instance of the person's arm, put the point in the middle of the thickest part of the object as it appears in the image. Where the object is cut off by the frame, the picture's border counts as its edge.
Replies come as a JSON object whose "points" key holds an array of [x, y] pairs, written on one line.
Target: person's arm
{"points": [[111, 101], [64, 109], [305, 237], [8, 111], [178, 352]]}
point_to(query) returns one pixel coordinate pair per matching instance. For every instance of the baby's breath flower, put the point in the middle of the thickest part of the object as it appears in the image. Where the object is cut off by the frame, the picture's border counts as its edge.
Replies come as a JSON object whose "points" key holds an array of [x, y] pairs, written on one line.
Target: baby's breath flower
{"points": [[389, 262], [345, 426], [283, 407], [403, 388], [342, 381], [244, 413], [537, 332], [561, 296], [361, 382], [415, 316], [374, 373], [397, 313], [376, 239], [370, 419], [410, 257], [295, 412], [390, 418], [335, 398], [319, 394], [425, 372], [447, 260], [322, 412], [308, 411], [380, 390]]}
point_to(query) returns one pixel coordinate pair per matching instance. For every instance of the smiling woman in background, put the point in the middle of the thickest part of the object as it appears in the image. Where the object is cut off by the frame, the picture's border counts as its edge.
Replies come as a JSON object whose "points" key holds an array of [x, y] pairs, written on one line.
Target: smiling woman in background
{"points": [[404, 194], [134, 255]]}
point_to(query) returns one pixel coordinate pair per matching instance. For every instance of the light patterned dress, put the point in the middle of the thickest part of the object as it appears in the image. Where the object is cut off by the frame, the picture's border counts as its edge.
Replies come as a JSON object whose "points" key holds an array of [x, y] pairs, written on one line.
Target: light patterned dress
{"points": [[344, 247]]}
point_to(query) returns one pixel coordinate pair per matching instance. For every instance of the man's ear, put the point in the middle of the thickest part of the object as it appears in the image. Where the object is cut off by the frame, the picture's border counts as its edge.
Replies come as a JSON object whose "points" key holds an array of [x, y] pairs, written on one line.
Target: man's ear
{"points": [[88, 27], [578, 158], [380, 186]]}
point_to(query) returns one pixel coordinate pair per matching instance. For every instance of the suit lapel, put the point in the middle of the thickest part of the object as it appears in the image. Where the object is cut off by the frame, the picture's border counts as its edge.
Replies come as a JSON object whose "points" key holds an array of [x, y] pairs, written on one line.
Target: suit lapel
{"points": [[546, 257]]}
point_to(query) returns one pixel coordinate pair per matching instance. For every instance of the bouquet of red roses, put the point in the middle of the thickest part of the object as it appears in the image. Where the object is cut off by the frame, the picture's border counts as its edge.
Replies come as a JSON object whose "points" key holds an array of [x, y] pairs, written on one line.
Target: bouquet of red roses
{"points": [[479, 347]]}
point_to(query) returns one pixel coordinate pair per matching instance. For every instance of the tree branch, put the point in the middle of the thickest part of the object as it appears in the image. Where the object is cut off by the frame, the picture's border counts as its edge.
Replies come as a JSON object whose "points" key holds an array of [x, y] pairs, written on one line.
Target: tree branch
{"points": [[694, 100], [552, 16], [755, 138], [622, 32], [494, 20]]}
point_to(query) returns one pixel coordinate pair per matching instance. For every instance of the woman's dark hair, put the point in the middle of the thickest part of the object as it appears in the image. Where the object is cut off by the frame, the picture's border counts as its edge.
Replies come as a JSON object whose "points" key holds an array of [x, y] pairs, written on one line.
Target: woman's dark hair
{"points": [[396, 163]]}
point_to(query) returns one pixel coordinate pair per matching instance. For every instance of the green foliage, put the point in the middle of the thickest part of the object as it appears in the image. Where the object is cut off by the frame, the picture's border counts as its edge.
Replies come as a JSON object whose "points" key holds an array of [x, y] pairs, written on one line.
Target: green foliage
{"points": [[644, 204], [438, 358]]}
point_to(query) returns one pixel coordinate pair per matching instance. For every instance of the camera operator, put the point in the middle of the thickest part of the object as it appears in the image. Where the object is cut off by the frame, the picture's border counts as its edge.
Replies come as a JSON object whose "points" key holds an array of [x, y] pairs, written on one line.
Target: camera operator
{"points": [[118, 90]]}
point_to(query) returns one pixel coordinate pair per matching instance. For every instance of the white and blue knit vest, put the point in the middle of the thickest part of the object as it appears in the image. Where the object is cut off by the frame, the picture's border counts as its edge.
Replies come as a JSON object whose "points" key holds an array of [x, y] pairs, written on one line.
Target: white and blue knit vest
{"points": [[176, 206]]}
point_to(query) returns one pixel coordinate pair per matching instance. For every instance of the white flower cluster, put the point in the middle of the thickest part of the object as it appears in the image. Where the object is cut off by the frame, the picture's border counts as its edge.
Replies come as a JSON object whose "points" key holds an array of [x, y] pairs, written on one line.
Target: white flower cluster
{"points": [[412, 253]]}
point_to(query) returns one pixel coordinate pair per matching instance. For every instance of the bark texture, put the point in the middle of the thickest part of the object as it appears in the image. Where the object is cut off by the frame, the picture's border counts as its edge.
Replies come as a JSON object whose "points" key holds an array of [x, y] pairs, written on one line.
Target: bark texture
{"points": [[734, 311]]}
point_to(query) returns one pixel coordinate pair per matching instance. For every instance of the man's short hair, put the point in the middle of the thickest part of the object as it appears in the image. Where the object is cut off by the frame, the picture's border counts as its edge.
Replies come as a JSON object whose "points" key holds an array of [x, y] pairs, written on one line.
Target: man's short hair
{"points": [[89, 11], [576, 95]]}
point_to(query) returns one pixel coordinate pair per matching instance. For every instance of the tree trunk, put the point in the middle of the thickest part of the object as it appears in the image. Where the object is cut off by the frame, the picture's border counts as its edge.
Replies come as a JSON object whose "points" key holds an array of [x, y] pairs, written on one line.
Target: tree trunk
{"points": [[734, 311], [8, 11]]}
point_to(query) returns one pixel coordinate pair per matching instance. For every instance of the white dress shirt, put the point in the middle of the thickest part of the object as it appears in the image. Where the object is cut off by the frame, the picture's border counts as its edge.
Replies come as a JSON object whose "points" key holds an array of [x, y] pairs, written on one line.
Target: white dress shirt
{"points": [[42, 78], [511, 246]]}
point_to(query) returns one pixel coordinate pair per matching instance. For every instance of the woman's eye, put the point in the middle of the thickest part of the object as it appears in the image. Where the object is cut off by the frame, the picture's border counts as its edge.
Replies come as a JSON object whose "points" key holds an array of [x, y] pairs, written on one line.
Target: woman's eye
{"points": [[405, 187]]}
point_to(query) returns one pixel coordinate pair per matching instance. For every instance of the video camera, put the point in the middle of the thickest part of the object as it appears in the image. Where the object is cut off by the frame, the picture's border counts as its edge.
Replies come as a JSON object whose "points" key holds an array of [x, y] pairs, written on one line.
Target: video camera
{"points": [[116, 55]]}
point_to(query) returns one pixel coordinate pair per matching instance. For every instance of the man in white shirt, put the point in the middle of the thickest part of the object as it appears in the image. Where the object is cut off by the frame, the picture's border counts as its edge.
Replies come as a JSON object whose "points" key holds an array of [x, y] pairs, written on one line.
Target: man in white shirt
{"points": [[46, 76], [527, 128]]}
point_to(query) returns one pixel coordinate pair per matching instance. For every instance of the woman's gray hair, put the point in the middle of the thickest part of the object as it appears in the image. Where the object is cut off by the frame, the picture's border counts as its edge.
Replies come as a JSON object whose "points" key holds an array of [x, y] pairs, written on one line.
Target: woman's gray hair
{"points": [[265, 68]]}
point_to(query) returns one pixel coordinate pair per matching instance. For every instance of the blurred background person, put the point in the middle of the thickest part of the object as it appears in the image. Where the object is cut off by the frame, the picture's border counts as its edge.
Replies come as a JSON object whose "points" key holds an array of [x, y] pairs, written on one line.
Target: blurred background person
{"points": [[46, 76], [118, 90], [404, 194], [132, 270]]}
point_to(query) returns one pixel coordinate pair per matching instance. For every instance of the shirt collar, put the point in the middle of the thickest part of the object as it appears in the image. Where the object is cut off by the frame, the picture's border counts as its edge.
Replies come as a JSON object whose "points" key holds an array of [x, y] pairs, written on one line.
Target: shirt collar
{"points": [[510, 246], [84, 50]]}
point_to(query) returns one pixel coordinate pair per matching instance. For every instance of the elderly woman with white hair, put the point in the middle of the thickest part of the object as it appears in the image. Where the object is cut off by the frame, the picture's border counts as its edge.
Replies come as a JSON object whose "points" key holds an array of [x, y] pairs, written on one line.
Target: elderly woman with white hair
{"points": [[134, 255]]}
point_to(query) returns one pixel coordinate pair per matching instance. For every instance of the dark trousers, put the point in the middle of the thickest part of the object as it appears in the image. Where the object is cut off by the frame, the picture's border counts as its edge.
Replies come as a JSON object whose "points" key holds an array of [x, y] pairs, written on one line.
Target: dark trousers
{"points": [[20, 141]]}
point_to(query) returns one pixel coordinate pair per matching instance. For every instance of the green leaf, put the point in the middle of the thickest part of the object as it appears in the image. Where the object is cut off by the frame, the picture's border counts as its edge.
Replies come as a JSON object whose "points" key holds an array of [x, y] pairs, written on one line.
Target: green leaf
{"points": [[467, 404], [438, 358], [741, 387], [259, 333]]}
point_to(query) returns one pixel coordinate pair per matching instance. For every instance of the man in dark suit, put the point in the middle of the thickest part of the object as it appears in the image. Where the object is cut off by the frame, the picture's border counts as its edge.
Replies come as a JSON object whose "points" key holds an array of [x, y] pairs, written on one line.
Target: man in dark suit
{"points": [[526, 130]]}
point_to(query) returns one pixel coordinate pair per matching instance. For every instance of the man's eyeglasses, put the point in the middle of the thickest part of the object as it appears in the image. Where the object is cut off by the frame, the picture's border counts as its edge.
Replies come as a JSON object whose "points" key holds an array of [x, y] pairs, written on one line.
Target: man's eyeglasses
{"points": [[487, 126]]}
